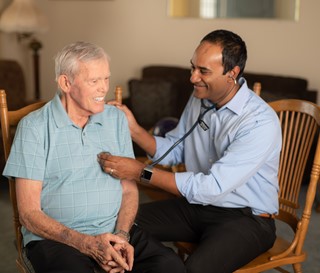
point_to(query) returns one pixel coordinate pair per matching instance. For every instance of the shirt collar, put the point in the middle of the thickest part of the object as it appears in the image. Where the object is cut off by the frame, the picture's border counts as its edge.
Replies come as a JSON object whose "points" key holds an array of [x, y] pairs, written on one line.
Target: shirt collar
{"points": [[62, 119], [237, 103]]}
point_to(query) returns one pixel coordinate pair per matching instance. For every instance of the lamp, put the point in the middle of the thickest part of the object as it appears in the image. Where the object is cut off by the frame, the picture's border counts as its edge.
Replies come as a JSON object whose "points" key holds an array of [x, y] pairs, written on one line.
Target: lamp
{"points": [[25, 19]]}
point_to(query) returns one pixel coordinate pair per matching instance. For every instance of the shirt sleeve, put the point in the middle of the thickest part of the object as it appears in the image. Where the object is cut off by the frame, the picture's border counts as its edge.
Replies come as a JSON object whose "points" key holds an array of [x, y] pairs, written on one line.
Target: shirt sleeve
{"points": [[126, 147], [255, 144], [26, 157]]}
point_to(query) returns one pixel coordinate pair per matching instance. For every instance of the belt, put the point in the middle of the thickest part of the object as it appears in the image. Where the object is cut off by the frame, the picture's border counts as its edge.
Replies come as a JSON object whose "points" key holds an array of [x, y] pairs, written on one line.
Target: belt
{"points": [[267, 215]]}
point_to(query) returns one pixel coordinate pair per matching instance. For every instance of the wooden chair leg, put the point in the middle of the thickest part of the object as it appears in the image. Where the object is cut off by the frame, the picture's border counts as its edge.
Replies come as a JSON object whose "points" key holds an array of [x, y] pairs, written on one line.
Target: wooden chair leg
{"points": [[317, 198], [297, 268]]}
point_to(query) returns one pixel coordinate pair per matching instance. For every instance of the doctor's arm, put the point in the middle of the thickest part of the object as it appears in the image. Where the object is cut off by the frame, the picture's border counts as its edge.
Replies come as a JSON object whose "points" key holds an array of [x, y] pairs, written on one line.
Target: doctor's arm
{"points": [[131, 169]]}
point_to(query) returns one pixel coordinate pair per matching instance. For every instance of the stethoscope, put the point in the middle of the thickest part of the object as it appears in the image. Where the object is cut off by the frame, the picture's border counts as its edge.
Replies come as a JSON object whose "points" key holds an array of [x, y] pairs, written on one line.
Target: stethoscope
{"points": [[203, 110]]}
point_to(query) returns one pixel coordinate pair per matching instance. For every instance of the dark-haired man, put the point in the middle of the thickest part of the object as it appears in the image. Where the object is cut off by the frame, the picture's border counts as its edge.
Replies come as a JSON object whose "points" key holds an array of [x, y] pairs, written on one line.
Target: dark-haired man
{"points": [[229, 191]]}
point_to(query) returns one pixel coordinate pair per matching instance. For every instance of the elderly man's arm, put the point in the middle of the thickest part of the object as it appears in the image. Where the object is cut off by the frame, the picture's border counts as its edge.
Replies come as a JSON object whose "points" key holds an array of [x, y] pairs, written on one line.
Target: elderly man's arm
{"points": [[126, 217], [129, 206], [98, 247]]}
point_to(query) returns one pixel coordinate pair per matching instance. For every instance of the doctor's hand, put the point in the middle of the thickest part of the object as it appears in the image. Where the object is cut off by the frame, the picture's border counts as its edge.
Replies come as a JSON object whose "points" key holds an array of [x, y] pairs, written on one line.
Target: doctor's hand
{"points": [[121, 167], [133, 124]]}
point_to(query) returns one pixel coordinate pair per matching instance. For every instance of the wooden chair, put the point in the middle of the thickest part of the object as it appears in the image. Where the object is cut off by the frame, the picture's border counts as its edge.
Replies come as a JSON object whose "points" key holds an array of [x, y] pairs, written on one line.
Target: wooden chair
{"points": [[300, 121], [9, 120], [257, 88]]}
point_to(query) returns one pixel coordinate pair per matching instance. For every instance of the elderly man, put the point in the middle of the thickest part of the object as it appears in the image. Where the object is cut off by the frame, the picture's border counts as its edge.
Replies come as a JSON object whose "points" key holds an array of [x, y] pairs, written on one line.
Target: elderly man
{"points": [[74, 215]]}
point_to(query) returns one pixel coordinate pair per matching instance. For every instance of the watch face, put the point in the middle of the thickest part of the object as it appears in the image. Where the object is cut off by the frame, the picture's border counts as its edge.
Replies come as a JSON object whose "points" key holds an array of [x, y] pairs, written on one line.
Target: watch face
{"points": [[147, 174]]}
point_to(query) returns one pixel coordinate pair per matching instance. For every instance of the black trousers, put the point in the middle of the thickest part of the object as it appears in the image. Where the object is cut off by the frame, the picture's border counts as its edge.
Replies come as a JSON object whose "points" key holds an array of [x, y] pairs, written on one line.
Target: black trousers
{"points": [[150, 256], [228, 237]]}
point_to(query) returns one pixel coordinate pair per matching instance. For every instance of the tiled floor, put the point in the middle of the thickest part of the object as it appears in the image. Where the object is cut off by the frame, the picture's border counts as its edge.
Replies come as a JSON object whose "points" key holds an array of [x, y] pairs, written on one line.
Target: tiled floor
{"points": [[7, 250]]}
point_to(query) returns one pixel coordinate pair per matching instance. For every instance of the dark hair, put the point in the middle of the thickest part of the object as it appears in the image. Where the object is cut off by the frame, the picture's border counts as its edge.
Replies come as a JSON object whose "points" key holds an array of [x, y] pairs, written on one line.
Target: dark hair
{"points": [[234, 50]]}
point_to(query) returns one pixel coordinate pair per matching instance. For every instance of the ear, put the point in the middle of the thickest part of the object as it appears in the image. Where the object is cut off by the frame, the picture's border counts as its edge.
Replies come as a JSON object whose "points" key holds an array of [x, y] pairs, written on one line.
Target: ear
{"points": [[234, 72], [64, 83]]}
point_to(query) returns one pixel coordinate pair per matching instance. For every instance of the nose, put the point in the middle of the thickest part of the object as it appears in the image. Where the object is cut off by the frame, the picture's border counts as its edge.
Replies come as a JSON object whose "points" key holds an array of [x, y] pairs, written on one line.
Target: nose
{"points": [[194, 78], [103, 86]]}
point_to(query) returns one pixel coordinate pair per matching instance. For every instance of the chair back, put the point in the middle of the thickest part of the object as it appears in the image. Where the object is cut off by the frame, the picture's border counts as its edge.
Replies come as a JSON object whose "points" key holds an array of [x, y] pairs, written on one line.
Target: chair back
{"points": [[300, 122], [257, 88], [9, 120]]}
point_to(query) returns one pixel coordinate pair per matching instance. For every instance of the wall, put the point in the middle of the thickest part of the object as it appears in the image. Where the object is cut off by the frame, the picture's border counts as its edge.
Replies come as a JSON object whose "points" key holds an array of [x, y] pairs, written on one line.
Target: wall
{"points": [[138, 33]]}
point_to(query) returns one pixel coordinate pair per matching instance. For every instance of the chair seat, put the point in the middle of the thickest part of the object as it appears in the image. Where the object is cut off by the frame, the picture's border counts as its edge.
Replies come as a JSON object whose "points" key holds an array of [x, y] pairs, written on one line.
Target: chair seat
{"points": [[260, 263], [263, 261], [185, 247]]}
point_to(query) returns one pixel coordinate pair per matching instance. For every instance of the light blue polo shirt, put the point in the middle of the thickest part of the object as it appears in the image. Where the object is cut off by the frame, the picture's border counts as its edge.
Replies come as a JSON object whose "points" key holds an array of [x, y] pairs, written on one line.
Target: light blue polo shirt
{"points": [[49, 147]]}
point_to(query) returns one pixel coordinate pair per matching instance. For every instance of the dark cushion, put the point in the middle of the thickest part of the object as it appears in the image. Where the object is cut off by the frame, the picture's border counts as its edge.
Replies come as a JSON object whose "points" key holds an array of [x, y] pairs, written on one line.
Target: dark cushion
{"points": [[278, 87], [151, 100], [178, 76], [13, 82]]}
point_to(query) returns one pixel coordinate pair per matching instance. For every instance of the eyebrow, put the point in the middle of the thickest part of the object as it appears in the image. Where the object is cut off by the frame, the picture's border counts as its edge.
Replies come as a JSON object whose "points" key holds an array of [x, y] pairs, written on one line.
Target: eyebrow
{"points": [[200, 67]]}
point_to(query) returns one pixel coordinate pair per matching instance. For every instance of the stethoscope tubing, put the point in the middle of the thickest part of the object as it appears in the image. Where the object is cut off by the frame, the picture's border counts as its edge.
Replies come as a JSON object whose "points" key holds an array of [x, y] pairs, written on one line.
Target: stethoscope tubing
{"points": [[201, 115]]}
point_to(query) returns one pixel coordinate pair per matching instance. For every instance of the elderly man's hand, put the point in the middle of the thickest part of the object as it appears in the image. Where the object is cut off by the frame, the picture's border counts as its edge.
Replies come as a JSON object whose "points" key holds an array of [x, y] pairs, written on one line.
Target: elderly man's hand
{"points": [[127, 252], [121, 167], [110, 251]]}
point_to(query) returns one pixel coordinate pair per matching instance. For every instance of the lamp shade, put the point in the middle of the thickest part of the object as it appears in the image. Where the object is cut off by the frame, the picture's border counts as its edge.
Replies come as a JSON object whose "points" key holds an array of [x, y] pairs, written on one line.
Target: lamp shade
{"points": [[22, 16]]}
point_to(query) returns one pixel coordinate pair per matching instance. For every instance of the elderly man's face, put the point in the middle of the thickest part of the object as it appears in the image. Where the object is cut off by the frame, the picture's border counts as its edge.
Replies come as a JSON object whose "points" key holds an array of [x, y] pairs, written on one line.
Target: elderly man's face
{"points": [[90, 86]]}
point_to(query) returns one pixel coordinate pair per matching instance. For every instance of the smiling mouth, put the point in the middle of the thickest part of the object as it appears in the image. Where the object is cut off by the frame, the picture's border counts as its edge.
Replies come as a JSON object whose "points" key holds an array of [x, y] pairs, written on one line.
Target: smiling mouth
{"points": [[199, 86], [99, 99]]}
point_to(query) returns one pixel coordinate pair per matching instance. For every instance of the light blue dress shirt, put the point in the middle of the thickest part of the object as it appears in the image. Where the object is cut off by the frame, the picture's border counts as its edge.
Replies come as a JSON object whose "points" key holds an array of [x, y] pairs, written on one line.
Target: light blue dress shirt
{"points": [[49, 147], [235, 162]]}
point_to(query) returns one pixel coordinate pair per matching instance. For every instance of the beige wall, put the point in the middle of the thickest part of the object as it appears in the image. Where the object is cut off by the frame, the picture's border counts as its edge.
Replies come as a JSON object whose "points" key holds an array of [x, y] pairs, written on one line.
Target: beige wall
{"points": [[137, 33]]}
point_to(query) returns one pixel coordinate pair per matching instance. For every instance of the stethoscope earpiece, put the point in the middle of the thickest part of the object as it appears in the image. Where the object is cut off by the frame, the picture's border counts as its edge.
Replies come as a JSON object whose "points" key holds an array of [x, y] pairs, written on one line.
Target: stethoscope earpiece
{"points": [[233, 78]]}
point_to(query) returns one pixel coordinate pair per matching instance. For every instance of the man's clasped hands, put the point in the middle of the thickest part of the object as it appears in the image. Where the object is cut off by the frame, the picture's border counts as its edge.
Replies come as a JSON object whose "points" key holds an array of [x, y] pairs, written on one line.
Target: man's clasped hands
{"points": [[112, 252]]}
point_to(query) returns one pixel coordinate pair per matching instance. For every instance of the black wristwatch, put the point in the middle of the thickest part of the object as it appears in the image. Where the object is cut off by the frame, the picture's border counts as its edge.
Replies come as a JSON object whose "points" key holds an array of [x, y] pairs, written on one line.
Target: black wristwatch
{"points": [[146, 174]]}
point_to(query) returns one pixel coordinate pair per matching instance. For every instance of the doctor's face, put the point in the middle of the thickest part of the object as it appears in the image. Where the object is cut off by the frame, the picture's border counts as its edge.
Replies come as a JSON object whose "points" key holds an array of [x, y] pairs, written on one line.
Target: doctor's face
{"points": [[207, 73]]}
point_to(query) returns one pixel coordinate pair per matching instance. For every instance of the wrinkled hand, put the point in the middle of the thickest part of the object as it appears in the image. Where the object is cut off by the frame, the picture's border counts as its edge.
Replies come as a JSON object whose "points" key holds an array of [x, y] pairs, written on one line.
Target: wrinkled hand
{"points": [[111, 252], [127, 253], [121, 167]]}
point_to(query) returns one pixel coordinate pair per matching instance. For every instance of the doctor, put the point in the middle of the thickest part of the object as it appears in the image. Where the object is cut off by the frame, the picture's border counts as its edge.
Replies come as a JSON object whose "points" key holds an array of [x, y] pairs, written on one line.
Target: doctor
{"points": [[229, 192]]}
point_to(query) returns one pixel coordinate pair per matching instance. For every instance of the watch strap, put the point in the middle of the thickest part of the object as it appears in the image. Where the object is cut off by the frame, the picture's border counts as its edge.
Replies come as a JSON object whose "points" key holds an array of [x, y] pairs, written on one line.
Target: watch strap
{"points": [[122, 232]]}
